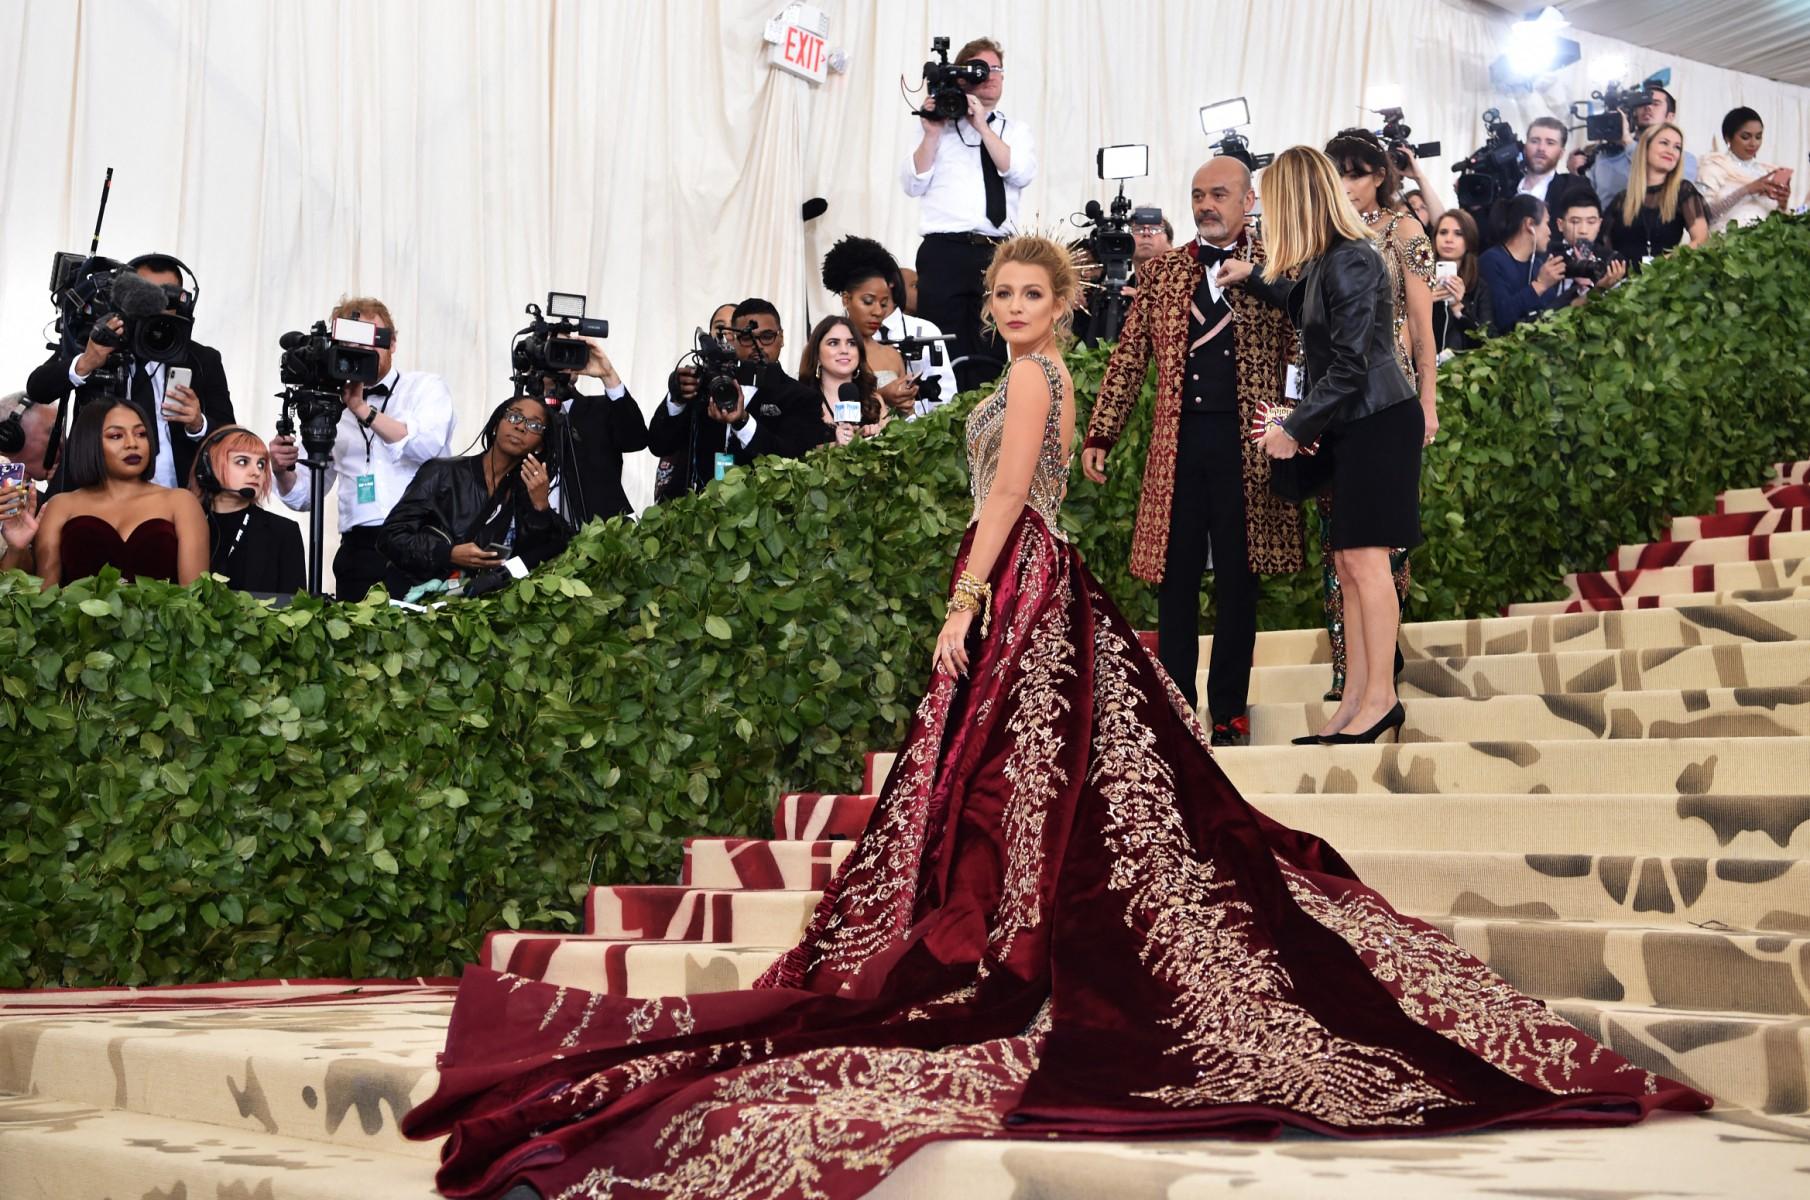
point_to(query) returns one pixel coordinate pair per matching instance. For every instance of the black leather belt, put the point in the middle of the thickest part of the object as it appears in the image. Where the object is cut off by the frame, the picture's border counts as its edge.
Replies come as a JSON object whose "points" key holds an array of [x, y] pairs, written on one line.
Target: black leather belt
{"points": [[971, 239]]}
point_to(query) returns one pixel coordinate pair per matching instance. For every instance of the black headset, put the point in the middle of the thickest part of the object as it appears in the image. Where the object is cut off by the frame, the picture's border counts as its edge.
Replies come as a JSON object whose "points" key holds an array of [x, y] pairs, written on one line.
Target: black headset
{"points": [[184, 299], [205, 478]]}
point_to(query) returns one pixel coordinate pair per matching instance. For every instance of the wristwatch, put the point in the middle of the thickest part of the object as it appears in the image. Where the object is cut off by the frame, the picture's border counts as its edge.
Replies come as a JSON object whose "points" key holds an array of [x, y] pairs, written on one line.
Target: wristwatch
{"points": [[370, 417]]}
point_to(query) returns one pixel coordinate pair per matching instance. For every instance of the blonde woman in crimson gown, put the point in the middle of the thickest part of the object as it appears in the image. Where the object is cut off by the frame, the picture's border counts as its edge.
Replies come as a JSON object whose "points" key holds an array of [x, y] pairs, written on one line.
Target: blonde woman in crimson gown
{"points": [[1062, 921]]}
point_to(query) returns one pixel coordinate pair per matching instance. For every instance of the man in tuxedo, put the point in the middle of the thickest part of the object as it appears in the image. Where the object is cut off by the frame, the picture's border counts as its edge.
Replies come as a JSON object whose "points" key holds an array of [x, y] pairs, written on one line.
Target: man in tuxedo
{"points": [[774, 413], [1220, 353], [187, 412]]}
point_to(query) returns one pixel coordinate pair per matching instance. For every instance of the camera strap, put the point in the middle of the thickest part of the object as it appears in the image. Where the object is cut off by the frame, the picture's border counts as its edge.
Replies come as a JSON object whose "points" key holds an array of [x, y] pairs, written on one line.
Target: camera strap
{"points": [[384, 408]]}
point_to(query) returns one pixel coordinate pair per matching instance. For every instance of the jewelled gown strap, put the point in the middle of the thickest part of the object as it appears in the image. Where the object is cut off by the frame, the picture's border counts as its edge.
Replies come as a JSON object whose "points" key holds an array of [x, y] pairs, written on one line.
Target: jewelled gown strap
{"points": [[986, 428]]}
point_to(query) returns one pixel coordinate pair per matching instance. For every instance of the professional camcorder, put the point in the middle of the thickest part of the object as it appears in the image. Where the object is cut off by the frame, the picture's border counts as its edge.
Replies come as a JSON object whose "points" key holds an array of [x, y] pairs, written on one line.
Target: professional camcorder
{"points": [[89, 289], [944, 99], [1494, 170], [911, 349], [1109, 242], [1224, 118], [1395, 134], [324, 361], [1605, 111], [546, 353], [719, 372]]}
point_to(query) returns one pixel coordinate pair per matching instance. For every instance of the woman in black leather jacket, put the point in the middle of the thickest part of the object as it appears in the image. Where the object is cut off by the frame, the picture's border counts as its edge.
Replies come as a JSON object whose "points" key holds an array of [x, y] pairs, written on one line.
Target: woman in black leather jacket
{"points": [[472, 514], [1322, 267]]}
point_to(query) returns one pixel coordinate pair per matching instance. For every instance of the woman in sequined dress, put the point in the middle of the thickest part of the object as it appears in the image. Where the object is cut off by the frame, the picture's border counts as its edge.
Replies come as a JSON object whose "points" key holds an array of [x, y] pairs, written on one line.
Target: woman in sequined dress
{"points": [[1061, 921]]}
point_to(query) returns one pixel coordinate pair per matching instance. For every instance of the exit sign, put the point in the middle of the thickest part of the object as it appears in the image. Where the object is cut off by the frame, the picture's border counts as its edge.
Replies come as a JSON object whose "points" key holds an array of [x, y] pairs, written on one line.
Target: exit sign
{"points": [[797, 42]]}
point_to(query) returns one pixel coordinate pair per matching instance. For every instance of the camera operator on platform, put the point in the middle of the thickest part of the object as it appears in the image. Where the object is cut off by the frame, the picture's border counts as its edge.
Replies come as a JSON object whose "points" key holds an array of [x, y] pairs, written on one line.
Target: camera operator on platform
{"points": [[184, 414], [386, 433], [770, 413], [1220, 354], [599, 431], [969, 173], [1608, 173], [1577, 224]]}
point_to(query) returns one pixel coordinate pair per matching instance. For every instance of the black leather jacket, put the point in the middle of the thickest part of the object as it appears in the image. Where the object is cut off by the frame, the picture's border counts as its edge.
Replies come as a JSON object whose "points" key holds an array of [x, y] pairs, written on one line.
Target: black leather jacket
{"points": [[1343, 308], [447, 505]]}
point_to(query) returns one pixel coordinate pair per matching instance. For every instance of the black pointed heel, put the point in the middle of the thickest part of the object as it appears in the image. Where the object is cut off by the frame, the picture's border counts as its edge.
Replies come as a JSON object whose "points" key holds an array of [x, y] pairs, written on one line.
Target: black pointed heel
{"points": [[1312, 739], [1394, 719]]}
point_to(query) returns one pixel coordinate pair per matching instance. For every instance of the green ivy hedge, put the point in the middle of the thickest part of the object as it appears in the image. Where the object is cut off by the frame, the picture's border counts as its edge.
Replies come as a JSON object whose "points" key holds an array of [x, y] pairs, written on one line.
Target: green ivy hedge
{"points": [[194, 787]]}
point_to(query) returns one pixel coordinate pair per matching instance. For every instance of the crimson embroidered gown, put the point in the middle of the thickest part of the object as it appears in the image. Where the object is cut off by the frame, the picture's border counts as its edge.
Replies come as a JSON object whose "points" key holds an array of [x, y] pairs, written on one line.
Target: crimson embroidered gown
{"points": [[1063, 919]]}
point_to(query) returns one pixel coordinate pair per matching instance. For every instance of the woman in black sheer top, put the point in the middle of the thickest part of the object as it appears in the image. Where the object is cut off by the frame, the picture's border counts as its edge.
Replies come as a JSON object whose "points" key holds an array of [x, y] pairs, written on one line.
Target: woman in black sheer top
{"points": [[1661, 209]]}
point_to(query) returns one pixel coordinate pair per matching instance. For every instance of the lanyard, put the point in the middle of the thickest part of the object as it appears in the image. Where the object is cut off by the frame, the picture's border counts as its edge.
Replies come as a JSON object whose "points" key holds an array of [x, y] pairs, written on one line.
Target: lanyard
{"points": [[218, 565], [383, 408]]}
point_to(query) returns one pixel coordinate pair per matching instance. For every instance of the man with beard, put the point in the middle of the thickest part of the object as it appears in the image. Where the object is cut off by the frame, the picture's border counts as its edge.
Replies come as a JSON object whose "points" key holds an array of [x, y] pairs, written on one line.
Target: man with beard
{"points": [[1219, 354]]}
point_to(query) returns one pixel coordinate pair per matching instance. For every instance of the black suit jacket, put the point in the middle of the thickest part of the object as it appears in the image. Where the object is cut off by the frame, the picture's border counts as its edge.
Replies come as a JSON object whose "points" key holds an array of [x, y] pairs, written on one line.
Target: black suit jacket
{"points": [[788, 421], [602, 431], [49, 384]]}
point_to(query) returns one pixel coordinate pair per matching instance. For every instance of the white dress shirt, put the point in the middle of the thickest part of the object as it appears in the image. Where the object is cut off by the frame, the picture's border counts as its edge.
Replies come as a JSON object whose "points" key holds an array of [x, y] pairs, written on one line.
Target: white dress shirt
{"points": [[164, 473], [1536, 185], [900, 324], [953, 190], [423, 403]]}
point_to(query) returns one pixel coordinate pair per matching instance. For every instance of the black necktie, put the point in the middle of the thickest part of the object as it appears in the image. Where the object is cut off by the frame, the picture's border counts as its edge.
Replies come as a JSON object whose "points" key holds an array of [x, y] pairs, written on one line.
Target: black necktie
{"points": [[996, 187]]}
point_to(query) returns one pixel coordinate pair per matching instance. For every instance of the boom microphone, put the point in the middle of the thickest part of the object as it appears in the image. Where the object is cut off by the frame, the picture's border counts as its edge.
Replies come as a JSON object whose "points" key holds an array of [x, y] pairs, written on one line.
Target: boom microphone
{"points": [[136, 296]]}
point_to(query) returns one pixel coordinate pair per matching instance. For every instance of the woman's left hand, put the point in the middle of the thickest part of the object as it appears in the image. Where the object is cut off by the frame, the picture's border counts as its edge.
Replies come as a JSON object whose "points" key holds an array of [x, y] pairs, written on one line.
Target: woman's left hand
{"points": [[1277, 444], [952, 643], [1233, 271], [537, 481]]}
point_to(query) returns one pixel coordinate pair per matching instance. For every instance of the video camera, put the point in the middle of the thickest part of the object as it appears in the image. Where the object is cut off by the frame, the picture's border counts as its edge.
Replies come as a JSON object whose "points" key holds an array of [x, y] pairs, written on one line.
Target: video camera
{"points": [[89, 289], [911, 349], [1224, 118], [946, 101], [719, 372], [1494, 169], [1395, 134], [545, 354], [1605, 111], [1109, 241]]}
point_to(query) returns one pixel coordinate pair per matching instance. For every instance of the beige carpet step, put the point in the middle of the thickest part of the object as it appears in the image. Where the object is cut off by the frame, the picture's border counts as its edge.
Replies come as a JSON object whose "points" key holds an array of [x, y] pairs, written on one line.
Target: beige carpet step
{"points": [[341, 1074], [1718, 826], [642, 970], [1751, 1062], [1571, 606], [1698, 623], [661, 912], [1741, 524], [1710, 577], [1713, 713], [753, 863], [62, 1150], [1750, 894], [1791, 472], [1698, 970], [1631, 767], [1776, 665], [1778, 494], [1721, 1154], [1787, 545]]}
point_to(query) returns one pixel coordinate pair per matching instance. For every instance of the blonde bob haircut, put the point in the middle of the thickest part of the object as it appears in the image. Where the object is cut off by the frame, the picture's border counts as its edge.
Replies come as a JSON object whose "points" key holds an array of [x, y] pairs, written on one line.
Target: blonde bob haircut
{"points": [[1304, 211], [1635, 197], [1035, 250]]}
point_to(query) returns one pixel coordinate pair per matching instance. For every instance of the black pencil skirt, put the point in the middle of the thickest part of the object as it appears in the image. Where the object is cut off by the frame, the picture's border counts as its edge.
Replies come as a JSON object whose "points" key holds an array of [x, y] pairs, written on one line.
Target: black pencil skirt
{"points": [[1376, 478]]}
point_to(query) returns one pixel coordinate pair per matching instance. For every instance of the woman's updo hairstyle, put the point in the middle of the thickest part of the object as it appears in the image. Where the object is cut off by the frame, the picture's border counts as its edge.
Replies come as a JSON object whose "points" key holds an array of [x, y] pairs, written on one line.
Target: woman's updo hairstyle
{"points": [[855, 259], [1035, 250]]}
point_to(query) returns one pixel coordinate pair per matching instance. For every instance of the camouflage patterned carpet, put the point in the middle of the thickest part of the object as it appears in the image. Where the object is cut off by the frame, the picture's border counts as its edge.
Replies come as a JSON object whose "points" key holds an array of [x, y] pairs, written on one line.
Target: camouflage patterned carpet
{"points": [[1605, 797]]}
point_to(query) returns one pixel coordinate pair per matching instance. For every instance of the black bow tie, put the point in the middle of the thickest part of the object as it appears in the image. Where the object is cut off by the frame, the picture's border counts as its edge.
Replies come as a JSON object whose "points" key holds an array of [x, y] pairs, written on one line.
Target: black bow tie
{"points": [[1212, 256], [377, 389]]}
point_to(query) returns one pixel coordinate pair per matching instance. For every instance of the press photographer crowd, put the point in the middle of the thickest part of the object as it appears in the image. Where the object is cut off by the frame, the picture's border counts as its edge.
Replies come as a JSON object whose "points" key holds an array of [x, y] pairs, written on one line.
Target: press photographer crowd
{"points": [[123, 450]]}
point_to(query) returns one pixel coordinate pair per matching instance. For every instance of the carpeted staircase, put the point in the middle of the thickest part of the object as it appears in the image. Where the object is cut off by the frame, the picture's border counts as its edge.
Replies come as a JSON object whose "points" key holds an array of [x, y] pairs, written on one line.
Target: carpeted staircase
{"points": [[1606, 798]]}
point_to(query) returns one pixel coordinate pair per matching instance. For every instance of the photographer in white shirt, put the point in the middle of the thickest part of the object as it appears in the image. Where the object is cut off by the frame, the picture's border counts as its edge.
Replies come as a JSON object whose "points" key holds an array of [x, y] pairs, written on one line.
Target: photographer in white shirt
{"points": [[968, 174], [386, 433]]}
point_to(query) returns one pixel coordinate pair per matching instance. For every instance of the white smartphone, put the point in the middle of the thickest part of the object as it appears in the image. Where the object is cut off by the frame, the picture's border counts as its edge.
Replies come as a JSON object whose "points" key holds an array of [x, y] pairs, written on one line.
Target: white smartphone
{"points": [[174, 377], [1443, 268]]}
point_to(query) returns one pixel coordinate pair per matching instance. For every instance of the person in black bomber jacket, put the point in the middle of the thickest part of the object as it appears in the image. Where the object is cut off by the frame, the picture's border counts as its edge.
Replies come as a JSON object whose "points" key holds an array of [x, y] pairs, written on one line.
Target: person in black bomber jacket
{"points": [[474, 513], [1324, 270]]}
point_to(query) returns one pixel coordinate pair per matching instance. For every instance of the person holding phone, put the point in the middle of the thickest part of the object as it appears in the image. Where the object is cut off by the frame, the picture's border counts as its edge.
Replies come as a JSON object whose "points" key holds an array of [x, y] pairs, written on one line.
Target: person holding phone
{"points": [[186, 396], [1738, 187], [1461, 305], [18, 517], [485, 513]]}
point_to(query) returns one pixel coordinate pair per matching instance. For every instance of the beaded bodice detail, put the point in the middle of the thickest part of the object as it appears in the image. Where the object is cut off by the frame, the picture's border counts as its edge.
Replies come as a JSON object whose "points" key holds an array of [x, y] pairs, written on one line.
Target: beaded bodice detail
{"points": [[986, 427], [1404, 257]]}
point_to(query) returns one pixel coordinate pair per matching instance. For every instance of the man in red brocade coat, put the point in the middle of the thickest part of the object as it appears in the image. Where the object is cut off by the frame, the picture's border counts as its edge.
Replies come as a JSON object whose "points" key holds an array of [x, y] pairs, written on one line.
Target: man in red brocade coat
{"points": [[1219, 354]]}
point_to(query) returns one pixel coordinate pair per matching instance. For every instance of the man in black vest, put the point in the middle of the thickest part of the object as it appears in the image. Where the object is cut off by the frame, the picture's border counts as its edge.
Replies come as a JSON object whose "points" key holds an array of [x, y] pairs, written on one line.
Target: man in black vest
{"points": [[188, 412]]}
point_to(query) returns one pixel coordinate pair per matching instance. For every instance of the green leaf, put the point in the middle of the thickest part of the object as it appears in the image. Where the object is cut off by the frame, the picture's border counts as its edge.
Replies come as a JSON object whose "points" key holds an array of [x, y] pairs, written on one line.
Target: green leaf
{"points": [[717, 628]]}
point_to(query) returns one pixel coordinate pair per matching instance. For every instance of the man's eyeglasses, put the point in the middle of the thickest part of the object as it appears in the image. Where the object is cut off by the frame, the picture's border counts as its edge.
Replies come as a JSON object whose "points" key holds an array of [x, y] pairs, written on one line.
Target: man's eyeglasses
{"points": [[1146, 230], [765, 337], [515, 417]]}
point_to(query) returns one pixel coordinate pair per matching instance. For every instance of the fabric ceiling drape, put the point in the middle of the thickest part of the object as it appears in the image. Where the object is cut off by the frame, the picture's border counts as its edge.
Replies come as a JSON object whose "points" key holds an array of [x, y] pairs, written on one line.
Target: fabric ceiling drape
{"points": [[460, 158]]}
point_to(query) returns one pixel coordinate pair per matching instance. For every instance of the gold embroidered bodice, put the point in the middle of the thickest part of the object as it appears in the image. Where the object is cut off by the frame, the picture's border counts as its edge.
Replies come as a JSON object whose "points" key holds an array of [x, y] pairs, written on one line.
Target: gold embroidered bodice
{"points": [[986, 427], [1404, 257]]}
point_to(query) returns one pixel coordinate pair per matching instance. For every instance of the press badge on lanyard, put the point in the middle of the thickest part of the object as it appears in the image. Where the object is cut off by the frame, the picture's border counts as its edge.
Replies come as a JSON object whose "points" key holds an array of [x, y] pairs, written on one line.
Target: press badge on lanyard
{"points": [[367, 489], [1292, 389], [723, 463]]}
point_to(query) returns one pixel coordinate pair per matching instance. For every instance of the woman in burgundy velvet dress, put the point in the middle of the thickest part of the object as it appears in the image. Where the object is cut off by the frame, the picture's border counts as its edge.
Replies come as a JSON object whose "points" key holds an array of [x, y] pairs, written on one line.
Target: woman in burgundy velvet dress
{"points": [[112, 515], [1063, 921]]}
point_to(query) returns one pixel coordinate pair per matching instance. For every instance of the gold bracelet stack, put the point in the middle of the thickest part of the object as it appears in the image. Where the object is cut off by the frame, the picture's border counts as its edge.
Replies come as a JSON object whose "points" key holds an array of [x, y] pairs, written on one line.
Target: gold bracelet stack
{"points": [[973, 595]]}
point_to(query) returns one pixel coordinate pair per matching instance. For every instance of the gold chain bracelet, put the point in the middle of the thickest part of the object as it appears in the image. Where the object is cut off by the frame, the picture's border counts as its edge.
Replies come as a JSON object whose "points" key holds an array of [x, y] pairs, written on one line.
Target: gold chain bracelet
{"points": [[973, 595]]}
